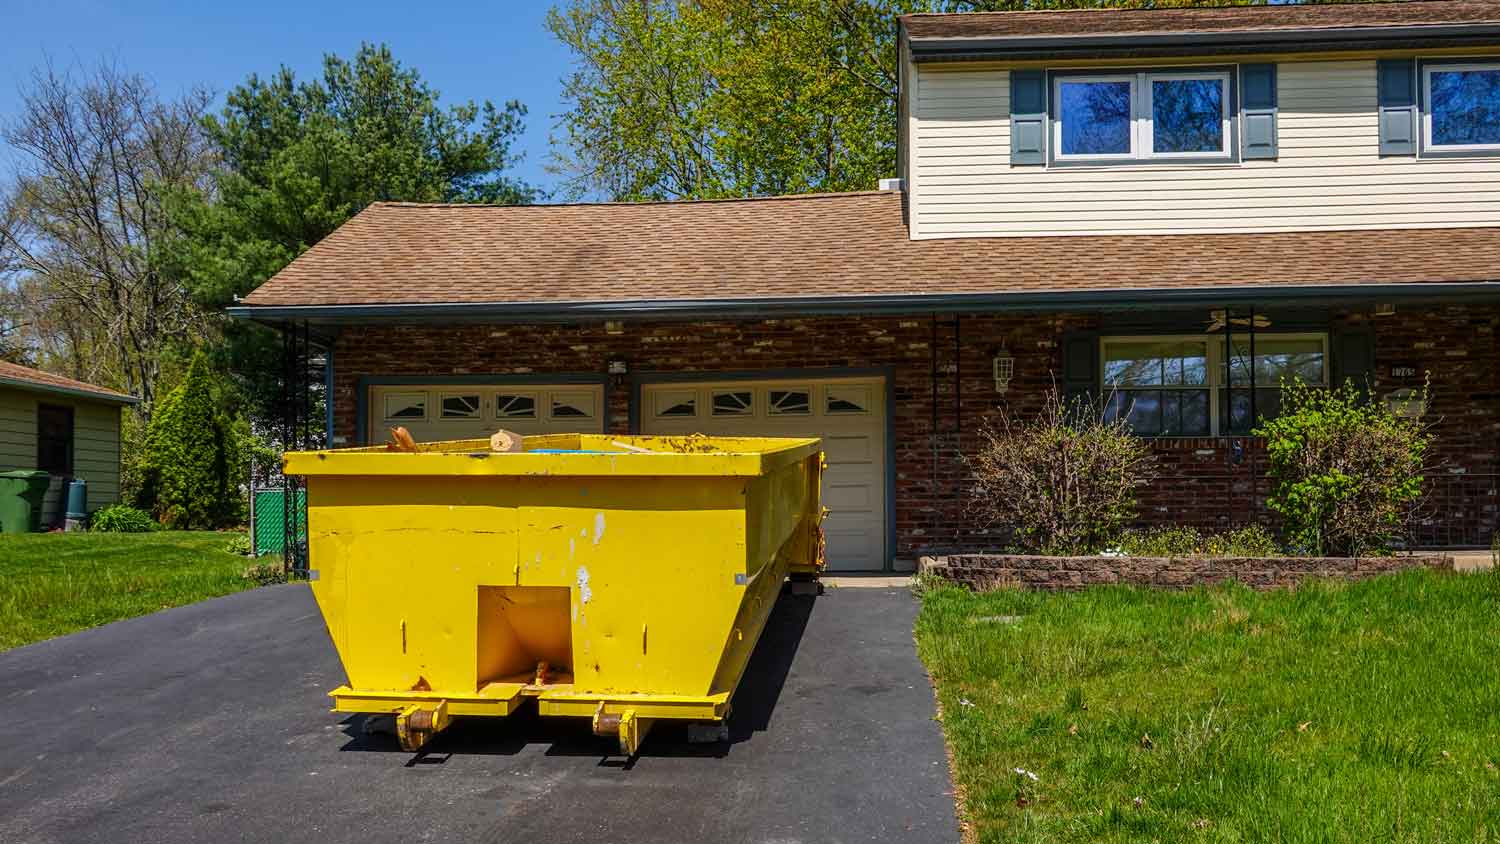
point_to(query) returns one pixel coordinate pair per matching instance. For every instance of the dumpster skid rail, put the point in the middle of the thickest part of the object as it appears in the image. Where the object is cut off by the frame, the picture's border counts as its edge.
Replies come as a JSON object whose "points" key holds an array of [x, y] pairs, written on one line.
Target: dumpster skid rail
{"points": [[621, 579]]}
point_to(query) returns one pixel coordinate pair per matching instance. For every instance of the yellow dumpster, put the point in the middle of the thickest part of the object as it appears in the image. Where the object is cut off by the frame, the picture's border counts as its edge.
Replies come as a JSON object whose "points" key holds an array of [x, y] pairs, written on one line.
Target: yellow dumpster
{"points": [[621, 579]]}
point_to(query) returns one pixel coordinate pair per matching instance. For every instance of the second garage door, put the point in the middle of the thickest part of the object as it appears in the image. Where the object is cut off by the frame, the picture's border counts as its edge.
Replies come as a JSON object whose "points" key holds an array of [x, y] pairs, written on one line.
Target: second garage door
{"points": [[848, 413], [468, 411]]}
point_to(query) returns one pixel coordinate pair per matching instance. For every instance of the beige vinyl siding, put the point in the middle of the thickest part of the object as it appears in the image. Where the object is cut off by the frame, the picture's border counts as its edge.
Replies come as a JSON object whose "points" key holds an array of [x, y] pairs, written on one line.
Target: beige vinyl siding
{"points": [[96, 445], [1329, 174]]}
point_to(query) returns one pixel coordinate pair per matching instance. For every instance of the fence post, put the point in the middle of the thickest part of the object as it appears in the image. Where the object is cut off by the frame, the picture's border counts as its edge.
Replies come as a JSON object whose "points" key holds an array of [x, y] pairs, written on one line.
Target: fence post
{"points": [[254, 540]]}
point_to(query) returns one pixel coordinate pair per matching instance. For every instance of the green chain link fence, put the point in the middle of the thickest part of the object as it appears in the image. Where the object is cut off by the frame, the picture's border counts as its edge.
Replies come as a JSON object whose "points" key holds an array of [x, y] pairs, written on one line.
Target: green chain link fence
{"points": [[270, 520]]}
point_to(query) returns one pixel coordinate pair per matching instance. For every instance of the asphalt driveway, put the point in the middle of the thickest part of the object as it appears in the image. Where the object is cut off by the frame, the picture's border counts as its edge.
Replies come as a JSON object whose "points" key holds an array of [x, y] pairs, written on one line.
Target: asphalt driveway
{"points": [[209, 723]]}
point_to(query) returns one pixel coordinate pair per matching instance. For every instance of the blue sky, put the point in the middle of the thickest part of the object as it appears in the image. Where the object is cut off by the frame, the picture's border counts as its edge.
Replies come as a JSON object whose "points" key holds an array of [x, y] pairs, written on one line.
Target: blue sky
{"points": [[499, 50]]}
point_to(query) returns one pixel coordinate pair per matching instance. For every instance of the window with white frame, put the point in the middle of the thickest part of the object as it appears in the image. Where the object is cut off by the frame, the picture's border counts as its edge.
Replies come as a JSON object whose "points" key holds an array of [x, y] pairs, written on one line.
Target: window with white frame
{"points": [[1461, 107], [1121, 117], [1203, 385]]}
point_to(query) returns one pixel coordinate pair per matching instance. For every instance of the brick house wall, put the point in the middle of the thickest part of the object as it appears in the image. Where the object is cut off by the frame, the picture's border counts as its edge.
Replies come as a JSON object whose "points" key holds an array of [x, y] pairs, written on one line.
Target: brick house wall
{"points": [[942, 390]]}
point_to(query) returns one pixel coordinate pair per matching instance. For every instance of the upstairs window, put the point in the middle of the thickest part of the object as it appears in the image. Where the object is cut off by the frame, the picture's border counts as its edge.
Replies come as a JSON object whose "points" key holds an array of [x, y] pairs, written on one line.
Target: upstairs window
{"points": [[1462, 111], [1142, 116]]}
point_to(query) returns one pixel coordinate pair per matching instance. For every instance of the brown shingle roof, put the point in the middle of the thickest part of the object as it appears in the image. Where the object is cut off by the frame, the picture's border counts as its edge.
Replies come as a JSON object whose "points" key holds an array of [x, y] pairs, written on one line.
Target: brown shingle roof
{"points": [[24, 377], [1090, 22], [852, 245]]}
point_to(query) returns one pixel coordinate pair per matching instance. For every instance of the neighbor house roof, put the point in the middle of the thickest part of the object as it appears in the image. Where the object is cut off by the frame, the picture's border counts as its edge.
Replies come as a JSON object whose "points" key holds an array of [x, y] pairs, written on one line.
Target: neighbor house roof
{"points": [[26, 378], [1324, 25], [816, 250]]}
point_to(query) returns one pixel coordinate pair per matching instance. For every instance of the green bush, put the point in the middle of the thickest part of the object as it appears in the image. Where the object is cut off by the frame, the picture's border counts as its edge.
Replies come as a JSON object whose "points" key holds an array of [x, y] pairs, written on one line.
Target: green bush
{"points": [[1346, 473], [239, 544], [1249, 541], [189, 476], [1064, 481], [1162, 542], [121, 518]]}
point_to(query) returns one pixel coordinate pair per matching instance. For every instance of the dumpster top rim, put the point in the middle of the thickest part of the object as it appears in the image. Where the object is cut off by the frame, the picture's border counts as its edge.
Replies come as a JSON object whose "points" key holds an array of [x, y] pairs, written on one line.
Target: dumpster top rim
{"points": [[564, 455]]}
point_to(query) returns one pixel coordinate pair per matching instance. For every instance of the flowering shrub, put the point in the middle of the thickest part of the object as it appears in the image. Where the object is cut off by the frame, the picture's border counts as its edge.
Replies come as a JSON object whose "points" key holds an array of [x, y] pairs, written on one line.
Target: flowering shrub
{"points": [[1346, 473]]}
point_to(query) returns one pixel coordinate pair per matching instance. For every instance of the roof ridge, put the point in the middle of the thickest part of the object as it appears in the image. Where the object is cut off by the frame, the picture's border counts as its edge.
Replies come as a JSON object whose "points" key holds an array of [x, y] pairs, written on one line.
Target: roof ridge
{"points": [[630, 204]]}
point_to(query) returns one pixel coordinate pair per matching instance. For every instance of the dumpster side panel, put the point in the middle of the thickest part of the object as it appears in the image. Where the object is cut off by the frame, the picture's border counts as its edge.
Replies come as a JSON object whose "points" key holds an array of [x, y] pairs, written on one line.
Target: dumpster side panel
{"points": [[782, 512], [651, 563], [399, 562]]}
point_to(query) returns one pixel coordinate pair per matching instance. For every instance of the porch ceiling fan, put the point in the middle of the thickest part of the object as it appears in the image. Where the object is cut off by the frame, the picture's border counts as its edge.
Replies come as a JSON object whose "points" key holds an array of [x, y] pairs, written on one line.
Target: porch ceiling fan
{"points": [[1216, 321]]}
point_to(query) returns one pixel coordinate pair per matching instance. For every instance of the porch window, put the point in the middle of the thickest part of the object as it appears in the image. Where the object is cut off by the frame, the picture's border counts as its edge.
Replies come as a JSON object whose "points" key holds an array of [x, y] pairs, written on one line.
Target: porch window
{"points": [[1176, 386], [1276, 358], [1161, 388], [1142, 116], [1462, 112]]}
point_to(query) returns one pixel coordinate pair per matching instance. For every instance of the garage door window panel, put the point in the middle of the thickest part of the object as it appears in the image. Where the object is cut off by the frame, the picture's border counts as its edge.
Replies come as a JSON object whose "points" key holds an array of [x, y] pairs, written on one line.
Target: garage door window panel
{"points": [[405, 406], [573, 406], [464, 406], [846, 400], [733, 403], [515, 406], [789, 403], [678, 404]]}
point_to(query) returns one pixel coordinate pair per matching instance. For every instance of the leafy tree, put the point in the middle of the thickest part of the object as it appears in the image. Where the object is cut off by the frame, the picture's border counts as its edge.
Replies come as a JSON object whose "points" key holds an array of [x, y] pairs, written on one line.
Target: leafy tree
{"points": [[190, 478], [720, 98], [88, 287], [301, 157]]}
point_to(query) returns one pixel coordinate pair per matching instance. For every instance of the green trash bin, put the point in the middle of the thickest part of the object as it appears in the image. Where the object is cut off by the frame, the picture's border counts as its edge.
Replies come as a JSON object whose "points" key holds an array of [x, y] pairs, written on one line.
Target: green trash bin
{"points": [[21, 494]]}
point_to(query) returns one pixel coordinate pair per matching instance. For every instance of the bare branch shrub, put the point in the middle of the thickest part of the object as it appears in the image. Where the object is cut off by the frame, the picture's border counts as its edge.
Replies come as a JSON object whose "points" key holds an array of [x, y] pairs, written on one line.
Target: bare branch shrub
{"points": [[1062, 482]]}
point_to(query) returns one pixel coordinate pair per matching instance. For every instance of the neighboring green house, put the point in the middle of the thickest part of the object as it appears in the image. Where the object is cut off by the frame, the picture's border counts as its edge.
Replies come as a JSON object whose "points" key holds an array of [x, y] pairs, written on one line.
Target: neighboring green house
{"points": [[65, 427]]}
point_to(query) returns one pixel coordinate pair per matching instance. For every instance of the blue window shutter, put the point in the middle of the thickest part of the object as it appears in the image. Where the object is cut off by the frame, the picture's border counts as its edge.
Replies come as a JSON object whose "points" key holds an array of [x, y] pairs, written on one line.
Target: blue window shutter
{"points": [[1353, 357], [1398, 106], [1258, 110], [1080, 369], [1028, 117]]}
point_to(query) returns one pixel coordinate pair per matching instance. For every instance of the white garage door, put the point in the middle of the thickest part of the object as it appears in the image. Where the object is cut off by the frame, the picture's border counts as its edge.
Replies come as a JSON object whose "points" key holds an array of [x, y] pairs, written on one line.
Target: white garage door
{"points": [[849, 414], [457, 412]]}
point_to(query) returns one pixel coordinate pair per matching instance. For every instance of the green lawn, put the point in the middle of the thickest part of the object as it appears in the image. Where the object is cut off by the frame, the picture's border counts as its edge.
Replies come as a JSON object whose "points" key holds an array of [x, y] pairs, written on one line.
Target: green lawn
{"points": [[1334, 713], [56, 583]]}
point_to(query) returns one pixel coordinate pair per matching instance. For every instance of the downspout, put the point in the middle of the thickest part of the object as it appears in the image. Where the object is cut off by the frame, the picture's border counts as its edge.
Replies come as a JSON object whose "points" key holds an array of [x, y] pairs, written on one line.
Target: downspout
{"points": [[932, 431]]}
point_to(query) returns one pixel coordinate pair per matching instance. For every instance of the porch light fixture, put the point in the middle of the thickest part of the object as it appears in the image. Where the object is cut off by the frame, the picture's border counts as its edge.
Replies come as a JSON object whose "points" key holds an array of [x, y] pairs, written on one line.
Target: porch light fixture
{"points": [[1406, 403], [1004, 368]]}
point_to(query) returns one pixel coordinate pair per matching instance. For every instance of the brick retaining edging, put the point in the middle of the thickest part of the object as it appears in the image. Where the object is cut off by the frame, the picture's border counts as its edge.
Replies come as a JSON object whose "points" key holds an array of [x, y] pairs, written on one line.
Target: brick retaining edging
{"points": [[1001, 571]]}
